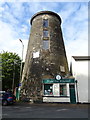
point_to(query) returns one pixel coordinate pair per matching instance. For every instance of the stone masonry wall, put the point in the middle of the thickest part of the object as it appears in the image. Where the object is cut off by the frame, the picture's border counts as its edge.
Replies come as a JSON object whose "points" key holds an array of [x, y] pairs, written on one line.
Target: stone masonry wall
{"points": [[47, 63]]}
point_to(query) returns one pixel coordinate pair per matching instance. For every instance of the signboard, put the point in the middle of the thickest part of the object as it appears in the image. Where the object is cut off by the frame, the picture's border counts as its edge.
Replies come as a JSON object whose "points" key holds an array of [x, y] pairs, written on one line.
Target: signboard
{"points": [[20, 84], [58, 81], [58, 77], [62, 68], [36, 54]]}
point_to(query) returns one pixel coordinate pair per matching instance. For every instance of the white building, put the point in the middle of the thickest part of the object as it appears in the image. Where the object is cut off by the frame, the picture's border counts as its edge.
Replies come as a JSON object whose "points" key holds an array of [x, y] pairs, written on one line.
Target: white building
{"points": [[79, 68], [75, 89]]}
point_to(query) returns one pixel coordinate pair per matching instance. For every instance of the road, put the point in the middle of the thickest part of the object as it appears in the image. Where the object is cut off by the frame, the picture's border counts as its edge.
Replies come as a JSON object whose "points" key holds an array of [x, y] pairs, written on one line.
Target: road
{"points": [[44, 111]]}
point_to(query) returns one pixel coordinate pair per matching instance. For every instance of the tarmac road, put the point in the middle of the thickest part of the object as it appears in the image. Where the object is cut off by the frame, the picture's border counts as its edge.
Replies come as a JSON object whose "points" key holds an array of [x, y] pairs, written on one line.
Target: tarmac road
{"points": [[45, 111]]}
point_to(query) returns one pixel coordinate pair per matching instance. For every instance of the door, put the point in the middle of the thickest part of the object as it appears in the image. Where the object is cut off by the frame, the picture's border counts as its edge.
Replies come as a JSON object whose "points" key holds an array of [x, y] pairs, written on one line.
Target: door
{"points": [[72, 94]]}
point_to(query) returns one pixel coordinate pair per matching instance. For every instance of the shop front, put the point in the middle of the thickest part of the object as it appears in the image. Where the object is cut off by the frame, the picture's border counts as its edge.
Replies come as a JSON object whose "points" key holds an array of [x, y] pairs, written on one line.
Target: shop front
{"points": [[62, 90]]}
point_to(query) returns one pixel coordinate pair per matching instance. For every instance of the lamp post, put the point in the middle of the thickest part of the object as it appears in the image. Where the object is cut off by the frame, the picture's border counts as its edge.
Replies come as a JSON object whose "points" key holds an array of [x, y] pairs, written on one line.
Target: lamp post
{"points": [[21, 59], [20, 68]]}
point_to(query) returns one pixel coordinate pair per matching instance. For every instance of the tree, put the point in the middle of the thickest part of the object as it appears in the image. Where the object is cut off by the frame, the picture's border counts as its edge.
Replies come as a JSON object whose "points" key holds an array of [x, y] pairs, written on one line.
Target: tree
{"points": [[10, 70]]}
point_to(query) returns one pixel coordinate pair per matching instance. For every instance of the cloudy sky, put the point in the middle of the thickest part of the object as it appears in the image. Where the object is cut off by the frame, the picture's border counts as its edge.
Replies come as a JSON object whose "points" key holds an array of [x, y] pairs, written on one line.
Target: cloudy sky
{"points": [[15, 24]]}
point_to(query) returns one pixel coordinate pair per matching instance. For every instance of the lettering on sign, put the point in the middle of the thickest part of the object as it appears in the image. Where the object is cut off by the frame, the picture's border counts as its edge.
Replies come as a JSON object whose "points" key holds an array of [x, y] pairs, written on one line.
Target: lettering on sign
{"points": [[59, 81]]}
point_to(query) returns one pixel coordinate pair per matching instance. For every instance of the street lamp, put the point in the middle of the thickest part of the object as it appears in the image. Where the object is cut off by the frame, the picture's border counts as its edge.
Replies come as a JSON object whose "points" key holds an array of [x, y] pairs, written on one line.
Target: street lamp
{"points": [[21, 59], [20, 68], [14, 64]]}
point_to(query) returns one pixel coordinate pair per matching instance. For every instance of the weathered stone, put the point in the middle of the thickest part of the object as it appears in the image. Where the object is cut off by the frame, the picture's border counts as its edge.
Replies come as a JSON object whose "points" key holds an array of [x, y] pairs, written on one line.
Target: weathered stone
{"points": [[43, 63]]}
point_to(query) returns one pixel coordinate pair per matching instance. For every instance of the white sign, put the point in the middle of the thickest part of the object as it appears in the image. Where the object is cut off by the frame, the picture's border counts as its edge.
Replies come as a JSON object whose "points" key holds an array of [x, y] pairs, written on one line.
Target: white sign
{"points": [[58, 77], [62, 68], [56, 89], [36, 54]]}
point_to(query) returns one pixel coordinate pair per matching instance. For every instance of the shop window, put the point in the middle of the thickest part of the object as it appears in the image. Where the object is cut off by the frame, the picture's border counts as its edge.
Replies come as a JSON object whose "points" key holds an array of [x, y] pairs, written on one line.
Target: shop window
{"points": [[45, 33], [48, 89], [45, 23], [45, 44], [63, 90]]}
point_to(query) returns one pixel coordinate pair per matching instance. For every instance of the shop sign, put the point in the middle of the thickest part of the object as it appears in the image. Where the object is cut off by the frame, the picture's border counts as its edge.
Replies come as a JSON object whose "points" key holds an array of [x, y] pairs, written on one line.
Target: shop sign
{"points": [[58, 77], [59, 81]]}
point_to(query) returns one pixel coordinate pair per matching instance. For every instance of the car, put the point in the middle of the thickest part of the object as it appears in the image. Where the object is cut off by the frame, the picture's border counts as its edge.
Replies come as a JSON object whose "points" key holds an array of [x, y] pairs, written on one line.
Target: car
{"points": [[7, 98], [1, 94]]}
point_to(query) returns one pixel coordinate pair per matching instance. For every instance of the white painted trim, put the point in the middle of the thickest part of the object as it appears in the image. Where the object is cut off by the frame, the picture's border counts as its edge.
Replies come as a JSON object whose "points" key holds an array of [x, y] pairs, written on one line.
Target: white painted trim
{"points": [[56, 99], [56, 89]]}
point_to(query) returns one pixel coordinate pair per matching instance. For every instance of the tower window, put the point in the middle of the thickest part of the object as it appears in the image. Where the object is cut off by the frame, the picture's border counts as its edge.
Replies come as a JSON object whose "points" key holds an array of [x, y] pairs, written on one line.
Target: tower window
{"points": [[45, 23], [45, 44], [45, 33]]}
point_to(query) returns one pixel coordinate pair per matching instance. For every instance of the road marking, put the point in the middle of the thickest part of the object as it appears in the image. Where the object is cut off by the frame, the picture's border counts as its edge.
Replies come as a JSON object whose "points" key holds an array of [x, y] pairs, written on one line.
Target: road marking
{"points": [[4, 114], [6, 107], [16, 107], [27, 107], [62, 109]]}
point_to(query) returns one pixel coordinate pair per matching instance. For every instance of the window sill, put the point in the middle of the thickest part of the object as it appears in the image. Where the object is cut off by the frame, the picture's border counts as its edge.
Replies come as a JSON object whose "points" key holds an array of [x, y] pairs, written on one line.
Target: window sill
{"points": [[48, 95], [56, 96], [45, 38], [45, 28]]}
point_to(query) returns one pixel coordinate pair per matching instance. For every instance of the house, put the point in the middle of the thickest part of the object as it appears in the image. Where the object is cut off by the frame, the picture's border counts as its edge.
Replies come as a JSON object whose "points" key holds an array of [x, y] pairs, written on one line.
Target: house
{"points": [[80, 70]]}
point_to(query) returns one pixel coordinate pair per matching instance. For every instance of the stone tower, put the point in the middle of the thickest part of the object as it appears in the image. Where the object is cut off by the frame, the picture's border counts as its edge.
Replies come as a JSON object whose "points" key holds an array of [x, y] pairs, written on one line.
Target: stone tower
{"points": [[46, 56]]}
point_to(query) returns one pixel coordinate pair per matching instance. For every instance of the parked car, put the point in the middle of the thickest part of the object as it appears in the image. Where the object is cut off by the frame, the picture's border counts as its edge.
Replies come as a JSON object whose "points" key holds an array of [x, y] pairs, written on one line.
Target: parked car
{"points": [[1, 94], [7, 98]]}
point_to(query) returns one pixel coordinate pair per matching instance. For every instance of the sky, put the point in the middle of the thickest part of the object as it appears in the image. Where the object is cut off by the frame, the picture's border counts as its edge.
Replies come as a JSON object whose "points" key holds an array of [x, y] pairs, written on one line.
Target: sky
{"points": [[15, 24]]}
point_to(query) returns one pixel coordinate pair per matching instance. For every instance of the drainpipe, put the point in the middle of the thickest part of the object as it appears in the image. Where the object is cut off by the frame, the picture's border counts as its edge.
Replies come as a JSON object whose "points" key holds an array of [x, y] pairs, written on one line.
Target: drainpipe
{"points": [[77, 92]]}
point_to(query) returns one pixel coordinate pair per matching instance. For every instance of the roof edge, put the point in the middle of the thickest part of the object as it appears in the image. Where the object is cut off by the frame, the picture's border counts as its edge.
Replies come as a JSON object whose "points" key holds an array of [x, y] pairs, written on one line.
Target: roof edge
{"points": [[45, 12], [79, 58]]}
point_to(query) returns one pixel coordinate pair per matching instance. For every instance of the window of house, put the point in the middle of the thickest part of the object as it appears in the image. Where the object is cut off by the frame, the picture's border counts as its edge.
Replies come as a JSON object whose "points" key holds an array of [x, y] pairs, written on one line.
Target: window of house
{"points": [[63, 90], [48, 89], [45, 44], [45, 23], [45, 33]]}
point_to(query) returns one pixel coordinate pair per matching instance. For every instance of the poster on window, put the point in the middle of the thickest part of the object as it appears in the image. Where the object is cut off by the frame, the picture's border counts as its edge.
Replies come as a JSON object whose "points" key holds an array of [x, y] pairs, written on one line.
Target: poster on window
{"points": [[56, 89]]}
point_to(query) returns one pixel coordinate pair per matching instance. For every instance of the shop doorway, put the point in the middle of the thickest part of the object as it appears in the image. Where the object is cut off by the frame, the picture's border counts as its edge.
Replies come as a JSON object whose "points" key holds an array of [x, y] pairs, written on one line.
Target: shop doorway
{"points": [[72, 94]]}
